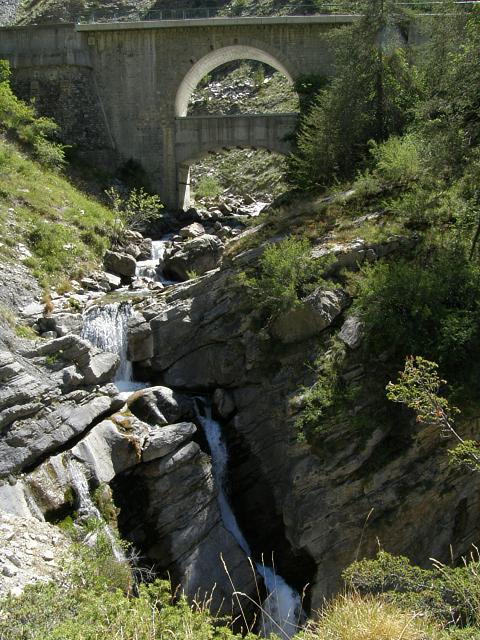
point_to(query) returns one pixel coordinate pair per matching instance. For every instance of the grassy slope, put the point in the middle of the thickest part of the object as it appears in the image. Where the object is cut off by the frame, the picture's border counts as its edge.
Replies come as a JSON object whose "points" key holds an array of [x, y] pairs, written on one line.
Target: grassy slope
{"points": [[65, 230]]}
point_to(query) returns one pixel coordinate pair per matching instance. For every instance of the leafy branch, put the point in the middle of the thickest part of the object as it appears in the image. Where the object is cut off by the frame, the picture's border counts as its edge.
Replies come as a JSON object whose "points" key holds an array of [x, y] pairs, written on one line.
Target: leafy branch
{"points": [[418, 388]]}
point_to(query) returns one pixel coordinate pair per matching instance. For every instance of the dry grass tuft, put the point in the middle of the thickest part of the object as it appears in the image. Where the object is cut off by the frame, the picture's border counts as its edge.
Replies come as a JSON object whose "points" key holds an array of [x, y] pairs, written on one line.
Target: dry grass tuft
{"points": [[355, 618]]}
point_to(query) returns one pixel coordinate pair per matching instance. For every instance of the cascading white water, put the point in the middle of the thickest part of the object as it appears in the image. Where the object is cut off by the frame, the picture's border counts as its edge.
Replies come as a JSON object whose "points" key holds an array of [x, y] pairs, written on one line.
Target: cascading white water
{"points": [[106, 327], [152, 269], [86, 507], [282, 607]]}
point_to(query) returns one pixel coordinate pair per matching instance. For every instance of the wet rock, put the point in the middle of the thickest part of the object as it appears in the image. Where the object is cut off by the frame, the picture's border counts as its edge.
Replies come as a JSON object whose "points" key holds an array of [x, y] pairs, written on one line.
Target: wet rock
{"points": [[169, 510], [224, 403], [120, 264], [161, 406]]}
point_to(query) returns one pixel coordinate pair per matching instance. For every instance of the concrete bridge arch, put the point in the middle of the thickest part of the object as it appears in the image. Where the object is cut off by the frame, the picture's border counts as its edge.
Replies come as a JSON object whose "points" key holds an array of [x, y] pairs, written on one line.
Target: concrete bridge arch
{"points": [[217, 58]]}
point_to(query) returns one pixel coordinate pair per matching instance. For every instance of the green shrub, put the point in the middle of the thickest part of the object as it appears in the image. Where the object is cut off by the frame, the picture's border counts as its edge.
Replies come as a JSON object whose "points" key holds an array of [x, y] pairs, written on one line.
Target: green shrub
{"points": [[19, 118], [136, 211], [449, 593], [208, 187], [286, 273], [94, 600], [427, 306]]}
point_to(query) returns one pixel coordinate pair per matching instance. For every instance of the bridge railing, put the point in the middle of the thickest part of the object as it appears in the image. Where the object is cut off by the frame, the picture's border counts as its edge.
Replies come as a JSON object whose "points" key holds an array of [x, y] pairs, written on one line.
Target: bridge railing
{"points": [[352, 7]]}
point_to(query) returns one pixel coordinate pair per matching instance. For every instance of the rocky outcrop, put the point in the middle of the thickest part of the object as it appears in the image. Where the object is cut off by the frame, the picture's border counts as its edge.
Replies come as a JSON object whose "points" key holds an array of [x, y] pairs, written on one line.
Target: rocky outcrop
{"points": [[312, 316], [161, 406], [140, 339], [198, 255], [169, 509], [290, 498]]}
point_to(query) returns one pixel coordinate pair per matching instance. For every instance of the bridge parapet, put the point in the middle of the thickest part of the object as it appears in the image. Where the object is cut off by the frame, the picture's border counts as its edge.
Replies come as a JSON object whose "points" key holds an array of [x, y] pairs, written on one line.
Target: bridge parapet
{"points": [[196, 136]]}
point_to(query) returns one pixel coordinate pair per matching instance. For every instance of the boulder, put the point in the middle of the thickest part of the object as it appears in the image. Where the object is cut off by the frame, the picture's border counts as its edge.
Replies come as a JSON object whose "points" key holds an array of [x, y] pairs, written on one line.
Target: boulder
{"points": [[165, 440], [193, 230], [29, 440], [161, 406], [198, 255], [169, 510], [140, 339], [120, 264], [145, 249], [61, 323], [311, 317], [113, 280], [351, 332]]}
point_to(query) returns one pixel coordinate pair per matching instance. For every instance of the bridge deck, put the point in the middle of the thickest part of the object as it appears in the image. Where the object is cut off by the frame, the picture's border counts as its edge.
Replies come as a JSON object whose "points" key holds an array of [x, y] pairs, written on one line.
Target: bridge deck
{"points": [[217, 22]]}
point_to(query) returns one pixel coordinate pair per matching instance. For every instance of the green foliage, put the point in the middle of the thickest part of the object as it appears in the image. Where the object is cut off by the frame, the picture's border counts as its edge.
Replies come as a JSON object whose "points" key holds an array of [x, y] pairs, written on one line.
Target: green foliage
{"points": [[287, 273], [325, 392], [136, 211], [208, 187], [449, 118], [20, 119], [423, 306], [451, 594], [23, 331], [418, 387], [94, 600], [370, 98]]}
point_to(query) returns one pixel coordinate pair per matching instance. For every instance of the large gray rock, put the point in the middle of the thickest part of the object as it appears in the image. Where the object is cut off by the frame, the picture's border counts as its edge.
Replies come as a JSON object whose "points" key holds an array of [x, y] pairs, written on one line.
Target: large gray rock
{"points": [[140, 339], [90, 366], [161, 406], [60, 323], [311, 317], [193, 230], [29, 440], [169, 510], [198, 256], [120, 264], [165, 440], [351, 332]]}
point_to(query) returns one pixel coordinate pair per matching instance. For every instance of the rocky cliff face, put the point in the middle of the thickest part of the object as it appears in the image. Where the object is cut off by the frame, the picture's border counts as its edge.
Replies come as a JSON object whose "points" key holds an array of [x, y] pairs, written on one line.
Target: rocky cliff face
{"points": [[313, 508], [317, 511]]}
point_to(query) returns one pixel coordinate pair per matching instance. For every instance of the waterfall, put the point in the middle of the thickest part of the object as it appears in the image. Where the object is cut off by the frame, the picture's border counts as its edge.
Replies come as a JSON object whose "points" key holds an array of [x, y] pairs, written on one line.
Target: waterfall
{"points": [[152, 269], [86, 507], [106, 327], [282, 609]]}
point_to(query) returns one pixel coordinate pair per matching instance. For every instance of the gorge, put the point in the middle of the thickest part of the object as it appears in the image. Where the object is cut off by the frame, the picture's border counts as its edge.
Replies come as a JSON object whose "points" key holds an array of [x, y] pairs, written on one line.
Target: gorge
{"points": [[197, 433]]}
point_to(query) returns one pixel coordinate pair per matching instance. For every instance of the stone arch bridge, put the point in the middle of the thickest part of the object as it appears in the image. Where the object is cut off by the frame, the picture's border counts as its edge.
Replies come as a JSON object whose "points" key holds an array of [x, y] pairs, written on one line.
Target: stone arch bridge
{"points": [[120, 91]]}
